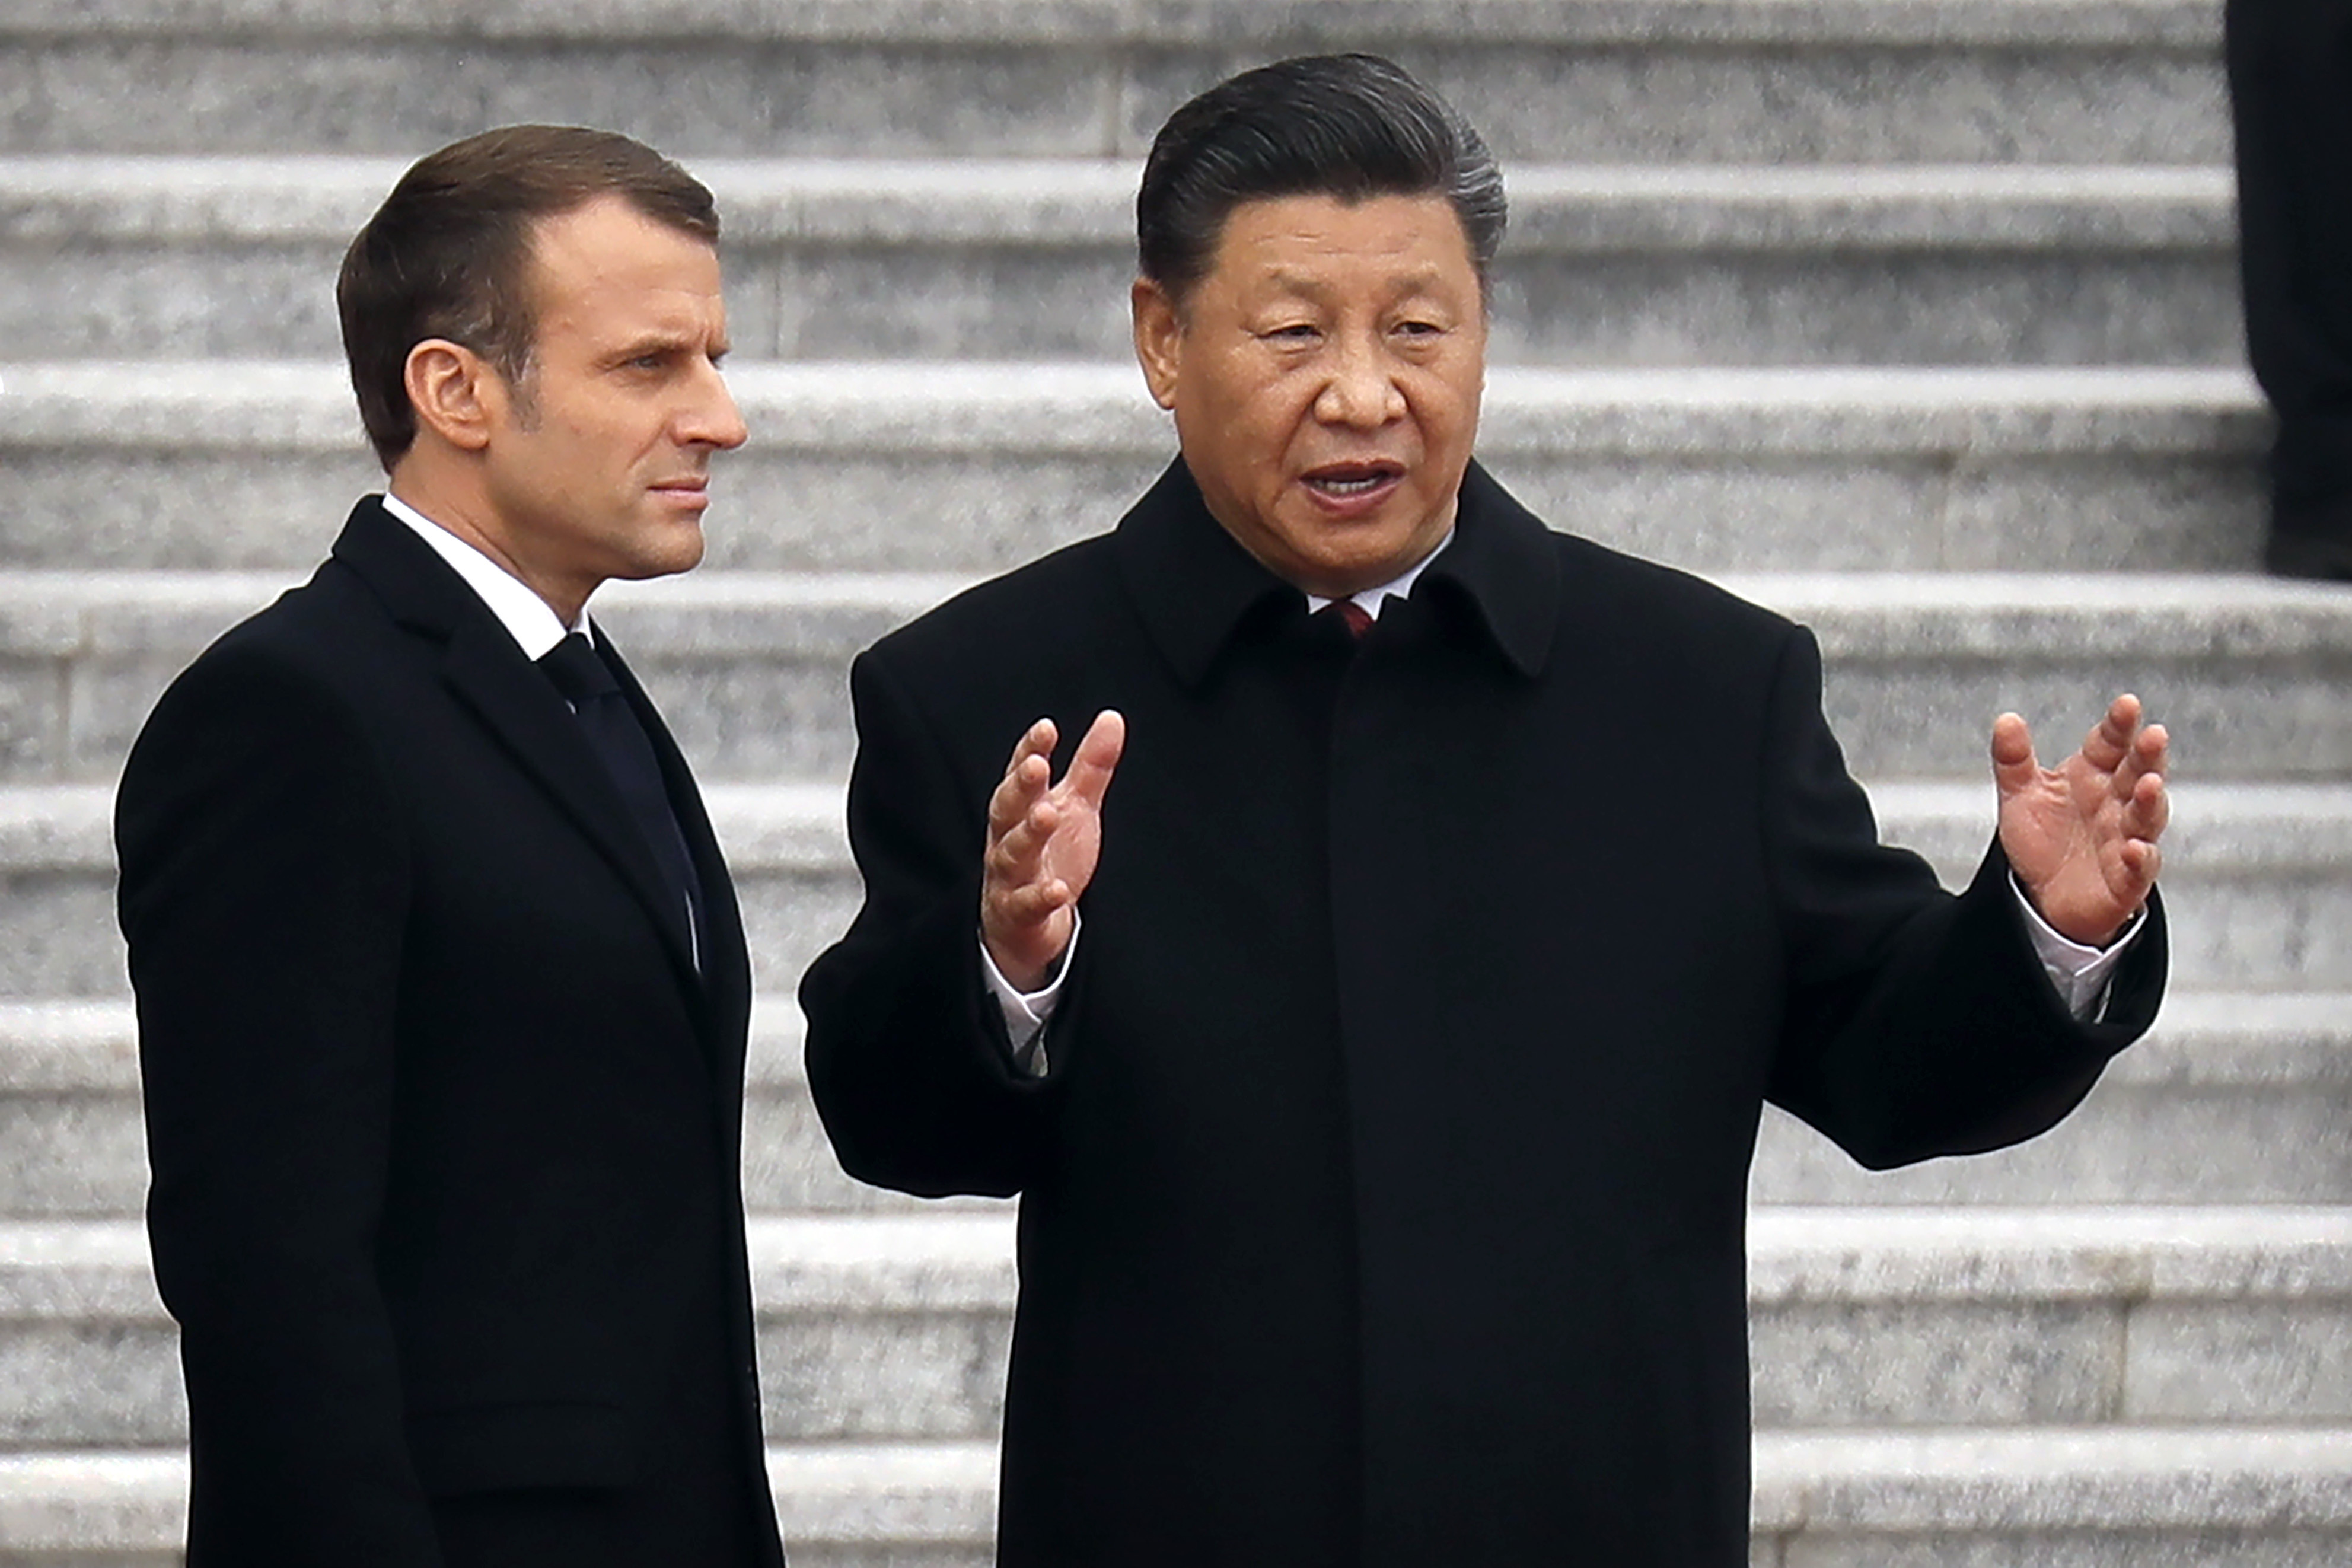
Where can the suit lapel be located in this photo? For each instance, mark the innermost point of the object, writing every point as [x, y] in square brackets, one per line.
[726, 967]
[489, 674]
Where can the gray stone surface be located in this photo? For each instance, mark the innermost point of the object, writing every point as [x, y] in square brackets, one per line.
[2061, 1549]
[2022, 24]
[1841, 82]
[894, 1329]
[687, 95]
[751, 668]
[1017, 302]
[874, 468]
[860, 1502]
[2232, 1100]
[855, 259]
[2001, 183]
[2260, 877]
[2289, 1143]
[2252, 1481]
[1641, 102]
[2267, 1362]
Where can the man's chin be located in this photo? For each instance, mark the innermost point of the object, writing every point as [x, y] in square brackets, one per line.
[682, 551]
[1347, 561]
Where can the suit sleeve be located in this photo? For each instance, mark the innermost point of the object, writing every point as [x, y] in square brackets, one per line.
[1917, 1023]
[908, 1060]
[263, 890]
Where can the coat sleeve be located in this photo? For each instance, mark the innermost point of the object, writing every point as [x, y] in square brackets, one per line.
[1918, 1023]
[263, 890]
[908, 1062]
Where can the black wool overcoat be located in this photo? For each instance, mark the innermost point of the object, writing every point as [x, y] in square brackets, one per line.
[1383, 1202]
[443, 1122]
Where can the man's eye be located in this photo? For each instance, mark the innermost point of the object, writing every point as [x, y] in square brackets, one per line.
[1419, 329]
[1296, 332]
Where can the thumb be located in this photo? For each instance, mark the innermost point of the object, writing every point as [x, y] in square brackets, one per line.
[2013, 763]
[1097, 754]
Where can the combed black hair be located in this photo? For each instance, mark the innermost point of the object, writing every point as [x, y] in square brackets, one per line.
[1350, 126]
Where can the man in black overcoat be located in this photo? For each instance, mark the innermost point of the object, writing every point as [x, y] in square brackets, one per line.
[1455, 894]
[441, 991]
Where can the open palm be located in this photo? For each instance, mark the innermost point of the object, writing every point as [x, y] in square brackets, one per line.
[2081, 836]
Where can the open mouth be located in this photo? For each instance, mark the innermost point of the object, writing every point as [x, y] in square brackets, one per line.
[1347, 481]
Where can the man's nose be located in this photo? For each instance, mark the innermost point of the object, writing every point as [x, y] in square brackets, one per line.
[1363, 391]
[711, 418]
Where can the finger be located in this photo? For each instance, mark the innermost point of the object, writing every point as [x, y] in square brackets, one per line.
[2142, 861]
[1023, 786]
[2014, 768]
[2150, 811]
[1097, 757]
[1026, 775]
[2110, 742]
[1022, 850]
[2146, 754]
[1031, 903]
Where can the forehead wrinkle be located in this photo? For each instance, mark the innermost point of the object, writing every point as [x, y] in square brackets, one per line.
[1426, 278]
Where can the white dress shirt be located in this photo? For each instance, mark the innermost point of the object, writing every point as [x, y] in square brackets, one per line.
[526, 617]
[2079, 973]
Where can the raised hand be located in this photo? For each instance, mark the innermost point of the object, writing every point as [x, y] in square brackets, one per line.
[1043, 840]
[2081, 836]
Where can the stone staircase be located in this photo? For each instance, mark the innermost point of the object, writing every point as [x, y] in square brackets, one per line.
[1913, 317]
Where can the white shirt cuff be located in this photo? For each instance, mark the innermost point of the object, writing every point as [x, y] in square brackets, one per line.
[1026, 1012]
[2079, 972]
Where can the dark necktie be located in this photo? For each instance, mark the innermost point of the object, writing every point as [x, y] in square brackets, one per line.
[618, 739]
[1350, 615]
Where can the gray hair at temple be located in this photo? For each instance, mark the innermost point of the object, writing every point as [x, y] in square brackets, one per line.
[1348, 126]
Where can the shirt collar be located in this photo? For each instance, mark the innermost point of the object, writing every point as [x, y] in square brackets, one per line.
[1370, 600]
[1193, 585]
[526, 617]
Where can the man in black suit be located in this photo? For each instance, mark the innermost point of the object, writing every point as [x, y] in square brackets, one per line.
[442, 990]
[1455, 894]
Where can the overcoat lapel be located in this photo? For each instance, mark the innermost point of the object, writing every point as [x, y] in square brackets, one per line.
[726, 971]
[490, 675]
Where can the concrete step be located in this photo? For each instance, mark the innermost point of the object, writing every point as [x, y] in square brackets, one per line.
[875, 1505]
[751, 668]
[1800, 81]
[881, 259]
[972, 467]
[896, 1329]
[2161, 1497]
[2260, 878]
[2233, 1099]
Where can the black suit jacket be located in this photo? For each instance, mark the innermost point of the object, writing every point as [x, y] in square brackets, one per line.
[443, 1123]
[1385, 1201]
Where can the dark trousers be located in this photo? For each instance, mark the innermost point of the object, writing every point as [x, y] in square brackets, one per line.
[2290, 64]
[695, 1526]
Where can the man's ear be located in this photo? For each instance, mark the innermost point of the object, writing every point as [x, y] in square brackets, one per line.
[455, 392]
[1159, 339]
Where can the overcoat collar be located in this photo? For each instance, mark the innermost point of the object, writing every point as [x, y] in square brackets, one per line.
[489, 673]
[1193, 584]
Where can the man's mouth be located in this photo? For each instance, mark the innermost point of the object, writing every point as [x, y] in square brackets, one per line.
[1346, 481]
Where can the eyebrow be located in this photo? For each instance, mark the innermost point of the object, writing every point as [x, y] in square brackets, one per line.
[665, 344]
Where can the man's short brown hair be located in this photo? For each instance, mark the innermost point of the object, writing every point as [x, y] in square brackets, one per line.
[449, 254]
